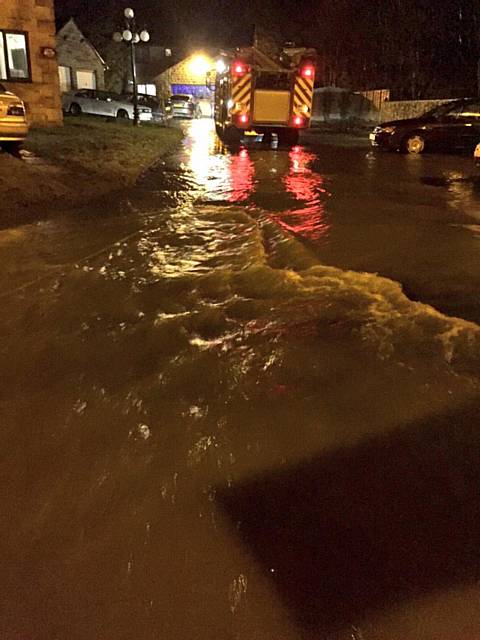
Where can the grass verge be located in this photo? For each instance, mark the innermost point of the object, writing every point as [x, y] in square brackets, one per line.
[83, 160]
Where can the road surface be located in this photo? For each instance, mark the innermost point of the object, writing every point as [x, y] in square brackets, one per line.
[241, 401]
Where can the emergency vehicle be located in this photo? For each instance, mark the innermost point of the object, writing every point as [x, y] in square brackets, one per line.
[255, 94]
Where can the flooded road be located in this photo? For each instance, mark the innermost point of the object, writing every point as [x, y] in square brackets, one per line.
[221, 416]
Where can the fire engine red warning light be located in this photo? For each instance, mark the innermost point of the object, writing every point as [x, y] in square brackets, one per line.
[243, 118]
[239, 68]
[307, 72]
[298, 121]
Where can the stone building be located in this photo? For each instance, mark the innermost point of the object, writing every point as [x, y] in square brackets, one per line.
[80, 66]
[190, 75]
[28, 64]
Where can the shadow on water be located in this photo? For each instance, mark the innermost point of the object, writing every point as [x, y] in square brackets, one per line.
[348, 534]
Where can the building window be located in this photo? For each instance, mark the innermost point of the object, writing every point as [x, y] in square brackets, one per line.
[147, 89]
[86, 79]
[14, 58]
[65, 76]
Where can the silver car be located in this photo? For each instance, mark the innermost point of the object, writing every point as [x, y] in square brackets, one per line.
[184, 105]
[102, 103]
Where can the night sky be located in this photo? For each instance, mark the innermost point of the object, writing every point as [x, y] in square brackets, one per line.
[415, 48]
[190, 23]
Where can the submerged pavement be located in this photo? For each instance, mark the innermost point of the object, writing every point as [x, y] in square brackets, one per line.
[222, 416]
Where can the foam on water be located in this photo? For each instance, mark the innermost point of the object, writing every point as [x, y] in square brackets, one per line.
[281, 275]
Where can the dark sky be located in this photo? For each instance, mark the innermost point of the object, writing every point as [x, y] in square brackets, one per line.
[185, 23]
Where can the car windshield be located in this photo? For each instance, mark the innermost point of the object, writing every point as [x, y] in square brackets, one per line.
[150, 100]
[442, 109]
[180, 98]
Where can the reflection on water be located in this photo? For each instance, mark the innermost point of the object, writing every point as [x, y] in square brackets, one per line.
[205, 158]
[307, 187]
[233, 177]
[242, 172]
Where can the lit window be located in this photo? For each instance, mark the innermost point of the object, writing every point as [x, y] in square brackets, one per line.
[3, 66]
[65, 77]
[14, 63]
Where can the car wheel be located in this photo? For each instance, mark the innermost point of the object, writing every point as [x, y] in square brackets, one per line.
[122, 114]
[75, 109]
[414, 144]
[288, 137]
[267, 137]
[232, 135]
[12, 147]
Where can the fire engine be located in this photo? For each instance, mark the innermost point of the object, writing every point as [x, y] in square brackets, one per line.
[255, 94]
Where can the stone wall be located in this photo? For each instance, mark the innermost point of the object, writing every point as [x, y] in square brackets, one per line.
[41, 93]
[181, 73]
[77, 53]
[333, 105]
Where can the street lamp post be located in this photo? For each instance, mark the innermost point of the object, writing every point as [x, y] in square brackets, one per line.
[131, 37]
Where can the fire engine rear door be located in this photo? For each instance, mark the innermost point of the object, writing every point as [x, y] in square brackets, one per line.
[271, 106]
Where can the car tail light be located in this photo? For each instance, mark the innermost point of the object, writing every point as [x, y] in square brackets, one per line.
[298, 121]
[239, 68]
[307, 71]
[15, 110]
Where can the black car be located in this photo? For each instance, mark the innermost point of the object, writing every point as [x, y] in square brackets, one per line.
[452, 126]
[157, 105]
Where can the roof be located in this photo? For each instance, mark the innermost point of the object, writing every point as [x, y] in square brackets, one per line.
[71, 26]
[175, 61]
[254, 55]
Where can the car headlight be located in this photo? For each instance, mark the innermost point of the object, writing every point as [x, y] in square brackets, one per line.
[388, 129]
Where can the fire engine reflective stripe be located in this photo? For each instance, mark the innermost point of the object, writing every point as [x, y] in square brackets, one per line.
[304, 90]
[302, 96]
[242, 89]
[300, 107]
[243, 96]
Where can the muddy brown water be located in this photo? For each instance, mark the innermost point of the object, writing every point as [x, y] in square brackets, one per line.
[222, 416]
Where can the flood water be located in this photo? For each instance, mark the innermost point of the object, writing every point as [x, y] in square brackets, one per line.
[241, 401]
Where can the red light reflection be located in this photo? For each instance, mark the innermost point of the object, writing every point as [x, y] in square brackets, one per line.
[306, 186]
[242, 173]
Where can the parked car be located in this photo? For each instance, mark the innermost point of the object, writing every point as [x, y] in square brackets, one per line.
[452, 126]
[13, 120]
[157, 105]
[102, 103]
[184, 105]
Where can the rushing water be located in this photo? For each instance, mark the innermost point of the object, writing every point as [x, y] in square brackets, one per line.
[216, 423]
